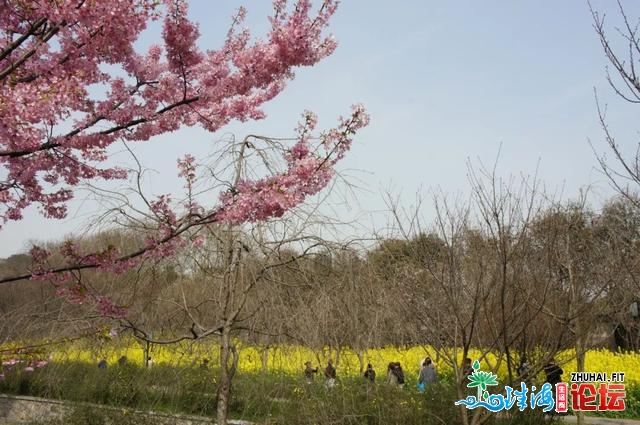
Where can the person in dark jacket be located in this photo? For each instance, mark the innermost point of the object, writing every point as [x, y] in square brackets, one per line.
[553, 372]
[330, 374]
[395, 374]
[370, 374]
[554, 376]
[399, 373]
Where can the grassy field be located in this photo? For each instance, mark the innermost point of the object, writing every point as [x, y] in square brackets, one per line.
[177, 383]
[267, 398]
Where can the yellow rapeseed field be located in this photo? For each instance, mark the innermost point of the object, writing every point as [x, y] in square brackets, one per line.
[291, 359]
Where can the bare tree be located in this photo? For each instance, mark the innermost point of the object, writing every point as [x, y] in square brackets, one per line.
[623, 55]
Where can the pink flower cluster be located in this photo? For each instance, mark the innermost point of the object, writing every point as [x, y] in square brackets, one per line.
[307, 173]
[31, 366]
[74, 290]
[309, 169]
[54, 133]
[55, 129]
[78, 293]
[107, 308]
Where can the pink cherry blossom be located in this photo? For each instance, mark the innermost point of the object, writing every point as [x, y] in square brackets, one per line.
[55, 132]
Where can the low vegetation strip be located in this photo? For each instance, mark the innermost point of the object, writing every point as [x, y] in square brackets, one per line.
[36, 410]
[270, 384]
[264, 398]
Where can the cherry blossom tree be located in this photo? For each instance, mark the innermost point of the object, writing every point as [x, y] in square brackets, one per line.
[73, 83]
[55, 131]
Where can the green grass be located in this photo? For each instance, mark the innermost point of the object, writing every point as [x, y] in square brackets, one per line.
[267, 398]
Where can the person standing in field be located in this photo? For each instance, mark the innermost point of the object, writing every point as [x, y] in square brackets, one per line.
[392, 378]
[395, 374]
[370, 374]
[524, 370]
[400, 373]
[330, 374]
[467, 371]
[553, 372]
[427, 375]
[309, 372]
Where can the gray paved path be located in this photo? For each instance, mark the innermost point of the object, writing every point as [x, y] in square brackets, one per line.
[592, 420]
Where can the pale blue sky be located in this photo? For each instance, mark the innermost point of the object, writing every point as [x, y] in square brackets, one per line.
[444, 81]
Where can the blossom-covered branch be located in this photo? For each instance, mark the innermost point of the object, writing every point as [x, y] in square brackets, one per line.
[54, 129]
[309, 168]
